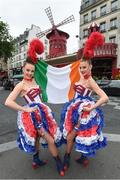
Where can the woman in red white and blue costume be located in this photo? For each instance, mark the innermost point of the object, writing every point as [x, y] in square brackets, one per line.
[82, 119]
[35, 120]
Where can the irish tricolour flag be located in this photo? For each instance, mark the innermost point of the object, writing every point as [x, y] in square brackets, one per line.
[57, 83]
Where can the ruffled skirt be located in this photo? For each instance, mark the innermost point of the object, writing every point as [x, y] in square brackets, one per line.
[28, 123]
[89, 137]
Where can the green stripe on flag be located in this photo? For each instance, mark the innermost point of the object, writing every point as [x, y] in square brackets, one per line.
[41, 77]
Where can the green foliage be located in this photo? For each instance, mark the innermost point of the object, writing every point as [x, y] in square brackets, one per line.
[117, 77]
[6, 41]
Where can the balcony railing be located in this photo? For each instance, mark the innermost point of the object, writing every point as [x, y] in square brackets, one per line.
[107, 50]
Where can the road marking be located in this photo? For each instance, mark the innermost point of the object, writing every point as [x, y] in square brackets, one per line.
[112, 137]
[8, 146]
[117, 107]
[13, 144]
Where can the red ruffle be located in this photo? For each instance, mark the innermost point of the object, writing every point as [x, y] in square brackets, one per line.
[68, 120]
[28, 125]
[37, 116]
[89, 132]
[52, 125]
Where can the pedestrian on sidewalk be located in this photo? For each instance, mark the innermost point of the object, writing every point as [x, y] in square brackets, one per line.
[35, 120]
[82, 119]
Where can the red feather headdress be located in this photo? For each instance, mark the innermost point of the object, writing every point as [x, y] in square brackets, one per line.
[35, 47]
[95, 39]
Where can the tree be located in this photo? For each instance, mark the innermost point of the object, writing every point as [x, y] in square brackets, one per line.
[6, 42]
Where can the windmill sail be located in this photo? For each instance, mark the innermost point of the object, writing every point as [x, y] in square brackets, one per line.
[66, 21]
[50, 17]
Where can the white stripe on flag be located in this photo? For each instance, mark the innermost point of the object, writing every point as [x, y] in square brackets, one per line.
[58, 84]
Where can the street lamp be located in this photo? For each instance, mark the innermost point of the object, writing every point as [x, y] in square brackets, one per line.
[77, 36]
[79, 40]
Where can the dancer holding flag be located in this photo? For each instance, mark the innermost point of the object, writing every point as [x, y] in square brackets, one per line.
[81, 118]
[35, 120]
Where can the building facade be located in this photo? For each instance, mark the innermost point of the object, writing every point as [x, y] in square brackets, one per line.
[105, 13]
[21, 44]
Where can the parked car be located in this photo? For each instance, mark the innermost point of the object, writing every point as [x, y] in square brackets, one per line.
[103, 82]
[9, 84]
[112, 88]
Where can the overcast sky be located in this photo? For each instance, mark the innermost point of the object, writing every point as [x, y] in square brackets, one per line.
[20, 14]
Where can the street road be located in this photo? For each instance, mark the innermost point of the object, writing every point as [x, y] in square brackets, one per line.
[15, 164]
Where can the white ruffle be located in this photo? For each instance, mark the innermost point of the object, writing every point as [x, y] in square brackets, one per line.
[89, 140]
[57, 135]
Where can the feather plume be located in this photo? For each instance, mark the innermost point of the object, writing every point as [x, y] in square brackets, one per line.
[96, 39]
[35, 47]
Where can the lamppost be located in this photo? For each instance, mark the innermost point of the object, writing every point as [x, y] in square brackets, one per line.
[79, 40]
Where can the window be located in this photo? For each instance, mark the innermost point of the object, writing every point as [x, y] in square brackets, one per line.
[24, 56]
[103, 10]
[113, 23]
[93, 15]
[86, 3]
[85, 33]
[46, 54]
[112, 39]
[46, 42]
[19, 50]
[114, 5]
[19, 57]
[103, 26]
[85, 18]
[25, 47]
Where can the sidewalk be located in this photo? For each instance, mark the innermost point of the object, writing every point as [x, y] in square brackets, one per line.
[15, 164]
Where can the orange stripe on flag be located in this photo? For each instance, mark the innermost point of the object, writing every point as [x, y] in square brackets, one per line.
[74, 77]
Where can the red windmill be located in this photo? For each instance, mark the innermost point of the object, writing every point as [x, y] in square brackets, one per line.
[57, 38]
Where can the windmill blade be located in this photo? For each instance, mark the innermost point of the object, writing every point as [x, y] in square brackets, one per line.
[39, 35]
[49, 15]
[66, 21]
[43, 33]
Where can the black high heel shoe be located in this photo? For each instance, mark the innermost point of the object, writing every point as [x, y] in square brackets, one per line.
[66, 162]
[37, 162]
[83, 160]
[59, 166]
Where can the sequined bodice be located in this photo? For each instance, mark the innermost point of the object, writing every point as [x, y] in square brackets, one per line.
[33, 95]
[81, 90]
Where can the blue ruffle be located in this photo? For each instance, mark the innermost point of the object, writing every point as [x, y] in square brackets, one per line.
[42, 113]
[98, 119]
[26, 147]
[90, 150]
[63, 113]
[75, 116]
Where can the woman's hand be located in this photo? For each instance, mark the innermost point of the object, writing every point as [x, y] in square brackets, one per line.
[88, 108]
[30, 109]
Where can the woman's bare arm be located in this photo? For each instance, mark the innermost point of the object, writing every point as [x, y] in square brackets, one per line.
[10, 101]
[103, 97]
